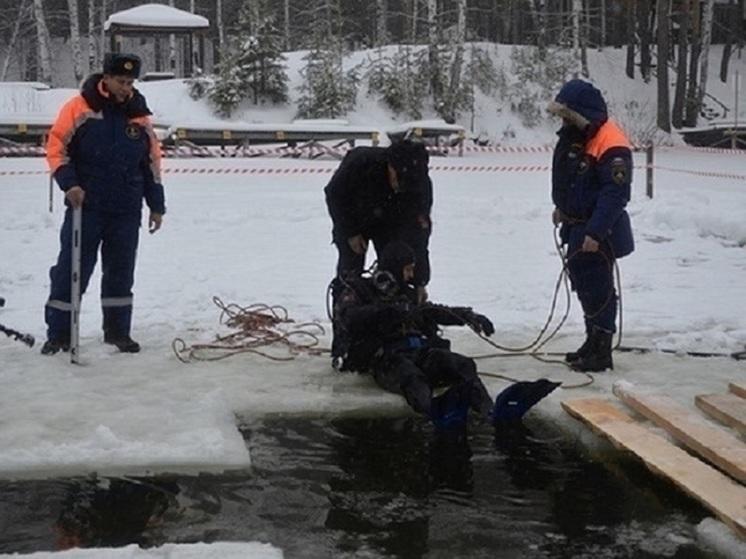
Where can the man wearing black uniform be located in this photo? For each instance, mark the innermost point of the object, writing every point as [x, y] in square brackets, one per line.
[380, 195]
[385, 331]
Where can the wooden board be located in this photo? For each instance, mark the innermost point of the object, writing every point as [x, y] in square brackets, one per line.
[738, 388]
[720, 494]
[728, 409]
[720, 447]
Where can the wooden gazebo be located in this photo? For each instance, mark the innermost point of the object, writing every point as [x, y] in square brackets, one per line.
[156, 21]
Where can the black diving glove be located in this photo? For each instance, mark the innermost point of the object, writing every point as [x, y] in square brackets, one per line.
[480, 324]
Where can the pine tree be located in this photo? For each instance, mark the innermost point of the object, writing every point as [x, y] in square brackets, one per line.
[252, 65]
[327, 90]
[400, 79]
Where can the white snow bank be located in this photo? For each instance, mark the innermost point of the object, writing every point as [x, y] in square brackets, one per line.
[223, 550]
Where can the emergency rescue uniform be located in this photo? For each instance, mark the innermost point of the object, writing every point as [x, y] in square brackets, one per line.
[591, 183]
[109, 149]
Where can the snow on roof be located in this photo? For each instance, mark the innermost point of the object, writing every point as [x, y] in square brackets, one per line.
[156, 15]
[434, 124]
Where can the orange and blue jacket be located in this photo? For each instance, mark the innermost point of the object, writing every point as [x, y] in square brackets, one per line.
[592, 172]
[109, 149]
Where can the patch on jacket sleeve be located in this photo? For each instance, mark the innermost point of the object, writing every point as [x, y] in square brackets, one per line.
[133, 131]
[619, 170]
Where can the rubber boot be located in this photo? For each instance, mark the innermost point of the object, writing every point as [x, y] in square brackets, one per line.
[125, 344]
[584, 349]
[599, 356]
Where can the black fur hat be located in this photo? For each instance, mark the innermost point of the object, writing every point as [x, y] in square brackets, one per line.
[409, 160]
[122, 64]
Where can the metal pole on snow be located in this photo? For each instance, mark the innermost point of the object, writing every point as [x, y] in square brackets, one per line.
[75, 287]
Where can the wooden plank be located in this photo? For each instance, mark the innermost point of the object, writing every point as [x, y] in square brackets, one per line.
[720, 494]
[718, 446]
[728, 409]
[738, 388]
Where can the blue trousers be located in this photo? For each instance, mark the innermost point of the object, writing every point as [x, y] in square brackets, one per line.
[592, 278]
[117, 236]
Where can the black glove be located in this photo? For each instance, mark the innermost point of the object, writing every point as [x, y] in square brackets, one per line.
[480, 324]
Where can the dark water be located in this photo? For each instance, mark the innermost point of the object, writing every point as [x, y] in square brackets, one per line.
[374, 488]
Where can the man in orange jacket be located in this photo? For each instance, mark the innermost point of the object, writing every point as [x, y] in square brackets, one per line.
[104, 155]
[591, 184]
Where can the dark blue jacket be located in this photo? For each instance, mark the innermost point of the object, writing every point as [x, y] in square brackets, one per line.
[592, 172]
[108, 149]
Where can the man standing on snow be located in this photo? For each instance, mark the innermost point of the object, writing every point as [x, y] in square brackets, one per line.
[381, 195]
[591, 183]
[104, 155]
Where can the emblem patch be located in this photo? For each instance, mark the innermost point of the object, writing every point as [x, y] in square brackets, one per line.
[133, 131]
[128, 65]
[619, 171]
[583, 166]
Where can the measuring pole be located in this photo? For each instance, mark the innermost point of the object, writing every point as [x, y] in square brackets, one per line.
[75, 287]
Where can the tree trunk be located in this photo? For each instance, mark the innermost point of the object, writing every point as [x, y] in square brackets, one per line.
[602, 40]
[664, 39]
[219, 23]
[75, 40]
[43, 41]
[705, 58]
[577, 8]
[644, 31]
[92, 49]
[433, 55]
[381, 37]
[728, 48]
[677, 116]
[286, 12]
[692, 92]
[540, 24]
[631, 40]
[458, 60]
[22, 13]
[415, 16]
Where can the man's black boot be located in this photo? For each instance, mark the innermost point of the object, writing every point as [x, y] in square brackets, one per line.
[599, 357]
[125, 344]
[582, 351]
[51, 347]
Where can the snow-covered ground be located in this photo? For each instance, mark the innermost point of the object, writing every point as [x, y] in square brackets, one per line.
[265, 238]
[223, 550]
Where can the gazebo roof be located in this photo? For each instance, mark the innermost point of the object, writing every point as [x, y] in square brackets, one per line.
[155, 17]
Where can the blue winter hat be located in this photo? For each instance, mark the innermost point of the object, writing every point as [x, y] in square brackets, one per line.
[582, 99]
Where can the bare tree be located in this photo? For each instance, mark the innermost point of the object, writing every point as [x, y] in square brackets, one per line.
[691, 105]
[631, 37]
[286, 12]
[677, 116]
[705, 55]
[436, 85]
[415, 16]
[381, 37]
[664, 39]
[22, 15]
[644, 31]
[219, 23]
[43, 41]
[577, 9]
[72, 6]
[92, 49]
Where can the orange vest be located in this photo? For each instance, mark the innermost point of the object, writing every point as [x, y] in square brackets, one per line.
[610, 135]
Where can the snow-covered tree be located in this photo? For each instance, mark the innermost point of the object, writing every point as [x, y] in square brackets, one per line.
[253, 65]
[399, 80]
[327, 90]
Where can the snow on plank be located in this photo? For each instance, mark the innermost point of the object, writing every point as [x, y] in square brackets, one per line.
[720, 494]
[718, 446]
[728, 409]
[738, 388]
